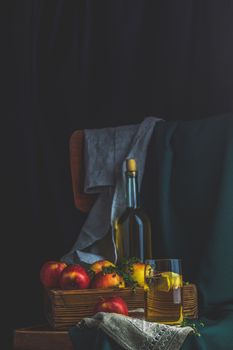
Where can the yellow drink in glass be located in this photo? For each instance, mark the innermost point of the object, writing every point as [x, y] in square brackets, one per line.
[163, 296]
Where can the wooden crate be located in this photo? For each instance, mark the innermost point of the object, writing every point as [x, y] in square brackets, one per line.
[41, 338]
[190, 301]
[64, 308]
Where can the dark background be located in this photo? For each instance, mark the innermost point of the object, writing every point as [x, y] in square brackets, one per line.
[70, 65]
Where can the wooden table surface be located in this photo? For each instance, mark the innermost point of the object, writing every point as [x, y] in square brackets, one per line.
[41, 338]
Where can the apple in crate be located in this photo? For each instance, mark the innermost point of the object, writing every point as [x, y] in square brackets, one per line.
[50, 273]
[137, 272]
[74, 277]
[107, 280]
[100, 264]
[112, 304]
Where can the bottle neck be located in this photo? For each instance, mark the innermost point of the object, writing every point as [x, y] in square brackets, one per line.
[132, 189]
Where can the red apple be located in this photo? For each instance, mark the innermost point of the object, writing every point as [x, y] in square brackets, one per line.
[50, 273]
[112, 304]
[107, 280]
[74, 277]
[100, 264]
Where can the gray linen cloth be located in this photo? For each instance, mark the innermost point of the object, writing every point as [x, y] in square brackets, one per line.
[135, 334]
[105, 152]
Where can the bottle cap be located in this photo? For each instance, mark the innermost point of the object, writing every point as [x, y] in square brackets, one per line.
[131, 164]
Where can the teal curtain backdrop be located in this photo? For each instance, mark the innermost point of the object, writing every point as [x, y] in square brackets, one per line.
[70, 65]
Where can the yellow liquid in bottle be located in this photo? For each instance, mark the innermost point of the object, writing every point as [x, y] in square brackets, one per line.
[133, 235]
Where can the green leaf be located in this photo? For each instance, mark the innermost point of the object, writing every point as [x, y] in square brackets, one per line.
[195, 326]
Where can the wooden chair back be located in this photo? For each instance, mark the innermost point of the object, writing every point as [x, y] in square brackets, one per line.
[82, 200]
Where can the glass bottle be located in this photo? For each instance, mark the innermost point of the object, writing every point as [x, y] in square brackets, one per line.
[133, 227]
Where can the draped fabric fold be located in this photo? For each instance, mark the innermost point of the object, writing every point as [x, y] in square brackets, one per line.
[105, 153]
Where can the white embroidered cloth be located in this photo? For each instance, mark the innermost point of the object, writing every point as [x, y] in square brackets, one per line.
[136, 334]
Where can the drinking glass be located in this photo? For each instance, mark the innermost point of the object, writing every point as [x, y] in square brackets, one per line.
[163, 291]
